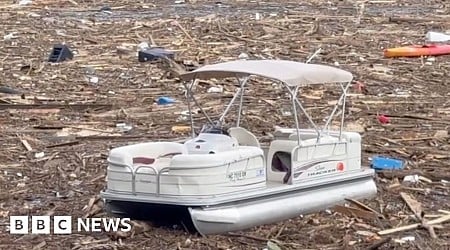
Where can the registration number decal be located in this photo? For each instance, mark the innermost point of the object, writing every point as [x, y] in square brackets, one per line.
[237, 175]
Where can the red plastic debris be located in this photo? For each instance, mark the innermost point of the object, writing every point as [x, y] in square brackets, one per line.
[383, 119]
[359, 86]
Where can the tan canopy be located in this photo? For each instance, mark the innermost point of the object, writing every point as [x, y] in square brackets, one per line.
[290, 72]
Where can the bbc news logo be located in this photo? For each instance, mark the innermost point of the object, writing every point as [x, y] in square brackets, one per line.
[63, 224]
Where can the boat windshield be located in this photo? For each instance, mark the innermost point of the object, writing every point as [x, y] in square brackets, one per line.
[216, 128]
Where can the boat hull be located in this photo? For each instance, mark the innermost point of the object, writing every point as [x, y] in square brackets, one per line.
[239, 211]
[239, 216]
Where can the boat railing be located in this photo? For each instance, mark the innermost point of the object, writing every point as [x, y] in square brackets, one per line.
[160, 172]
[135, 172]
[321, 144]
[132, 171]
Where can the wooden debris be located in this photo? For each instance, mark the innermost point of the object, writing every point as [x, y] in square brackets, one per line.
[414, 226]
[71, 143]
[92, 208]
[441, 134]
[363, 206]
[435, 175]
[443, 211]
[140, 227]
[137, 227]
[69, 110]
[54, 106]
[247, 236]
[379, 243]
[414, 19]
[40, 245]
[351, 211]
[26, 145]
[416, 207]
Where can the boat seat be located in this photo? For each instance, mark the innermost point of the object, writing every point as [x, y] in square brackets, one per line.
[244, 137]
[152, 168]
[282, 133]
[155, 154]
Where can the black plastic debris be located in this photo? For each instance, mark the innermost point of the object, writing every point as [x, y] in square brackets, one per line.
[8, 90]
[60, 53]
[106, 8]
[190, 65]
[152, 54]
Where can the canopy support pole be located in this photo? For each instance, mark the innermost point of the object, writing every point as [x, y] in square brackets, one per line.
[344, 89]
[295, 100]
[242, 84]
[307, 115]
[188, 96]
[189, 110]
[229, 105]
[196, 103]
[294, 108]
[239, 92]
[314, 55]
[343, 96]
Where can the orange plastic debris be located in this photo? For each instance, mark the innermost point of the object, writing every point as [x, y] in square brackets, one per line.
[418, 50]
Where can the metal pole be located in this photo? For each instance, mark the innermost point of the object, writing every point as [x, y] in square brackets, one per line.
[336, 107]
[293, 94]
[343, 108]
[314, 55]
[189, 109]
[200, 107]
[304, 111]
[242, 84]
[307, 115]
[229, 105]
[296, 101]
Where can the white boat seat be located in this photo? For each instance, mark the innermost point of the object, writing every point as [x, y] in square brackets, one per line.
[244, 137]
[150, 154]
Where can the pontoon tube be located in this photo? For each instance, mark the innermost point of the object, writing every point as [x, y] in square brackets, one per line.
[240, 216]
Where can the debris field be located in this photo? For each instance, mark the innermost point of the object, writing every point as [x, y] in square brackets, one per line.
[58, 120]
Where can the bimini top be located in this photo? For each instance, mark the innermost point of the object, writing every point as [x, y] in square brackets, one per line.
[290, 72]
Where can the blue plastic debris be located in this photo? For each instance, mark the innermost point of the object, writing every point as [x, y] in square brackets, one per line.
[164, 100]
[386, 163]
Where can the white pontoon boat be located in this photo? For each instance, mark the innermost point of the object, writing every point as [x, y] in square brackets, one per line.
[227, 180]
